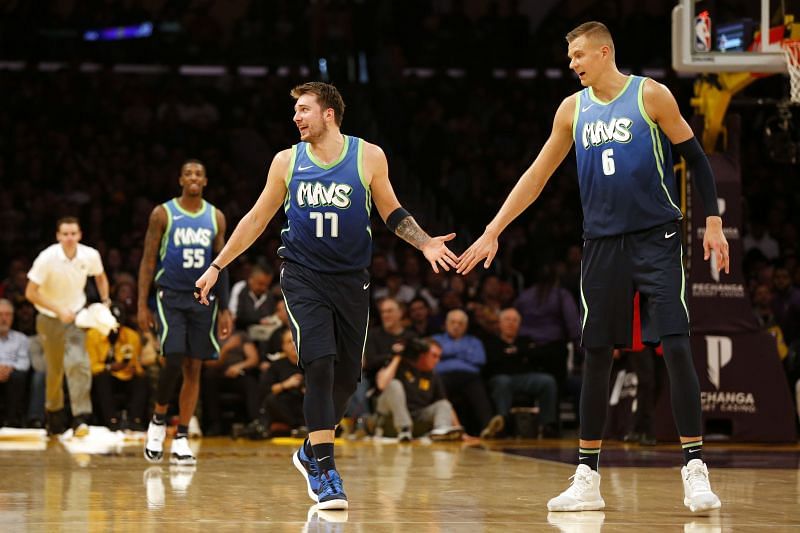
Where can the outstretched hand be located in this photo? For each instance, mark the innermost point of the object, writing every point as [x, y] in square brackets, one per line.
[484, 247]
[436, 251]
[204, 284]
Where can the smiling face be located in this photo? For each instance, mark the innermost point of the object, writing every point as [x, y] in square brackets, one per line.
[311, 120]
[193, 179]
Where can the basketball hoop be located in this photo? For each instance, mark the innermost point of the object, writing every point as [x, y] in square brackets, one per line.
[792, 50]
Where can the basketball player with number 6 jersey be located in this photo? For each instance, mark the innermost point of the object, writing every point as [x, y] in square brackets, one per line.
[182, 236]
[326, 184]
[622, 127]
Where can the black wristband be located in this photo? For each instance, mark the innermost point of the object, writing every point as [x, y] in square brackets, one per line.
[219, 269]
[395, 217]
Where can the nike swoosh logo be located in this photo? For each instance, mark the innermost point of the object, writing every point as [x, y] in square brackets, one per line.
[366, 285]
[323, 458]
[582, 458]
[177, 217]
[668, 235]
[694, 451]
[300, 169]
[584, 109]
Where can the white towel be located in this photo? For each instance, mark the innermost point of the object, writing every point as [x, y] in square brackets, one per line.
[97, 316]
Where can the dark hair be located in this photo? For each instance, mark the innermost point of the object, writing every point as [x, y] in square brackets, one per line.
[67, 220]
[327, 95]
[192, 161]
[416, 299]
[416, 346]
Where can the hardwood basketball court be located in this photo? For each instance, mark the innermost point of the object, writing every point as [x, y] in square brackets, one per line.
[421, 487]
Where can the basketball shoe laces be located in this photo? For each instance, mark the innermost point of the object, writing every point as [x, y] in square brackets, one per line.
[330, 483]
[313, 469]
[697, 477]
[581, 484]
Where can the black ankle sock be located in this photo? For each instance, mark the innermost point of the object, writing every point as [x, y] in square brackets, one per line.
[160, 419]
[589, 457]
[308, 449]
[324, 455]
[692, 450]
[183, 431]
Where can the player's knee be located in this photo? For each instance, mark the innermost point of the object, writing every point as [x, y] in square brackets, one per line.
[319, 371]
[192, 368]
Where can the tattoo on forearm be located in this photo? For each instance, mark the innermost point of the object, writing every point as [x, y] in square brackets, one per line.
[409, 231]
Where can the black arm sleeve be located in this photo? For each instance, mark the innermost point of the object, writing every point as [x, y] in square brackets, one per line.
[702, 176]
[223, 289]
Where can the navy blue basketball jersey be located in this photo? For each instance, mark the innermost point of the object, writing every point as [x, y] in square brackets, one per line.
[327, 210]
[187, 245]
[624, 164]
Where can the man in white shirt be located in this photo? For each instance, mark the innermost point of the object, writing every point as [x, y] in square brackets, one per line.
[14, 364]
[56, 284]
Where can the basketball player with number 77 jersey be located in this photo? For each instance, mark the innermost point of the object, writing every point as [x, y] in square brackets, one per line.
[181, 237]
[326, 184]
[622, 127]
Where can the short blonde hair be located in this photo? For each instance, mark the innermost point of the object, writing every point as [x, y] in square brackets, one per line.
[593, 30]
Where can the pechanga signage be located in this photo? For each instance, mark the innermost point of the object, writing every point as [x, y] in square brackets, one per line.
[741, 378]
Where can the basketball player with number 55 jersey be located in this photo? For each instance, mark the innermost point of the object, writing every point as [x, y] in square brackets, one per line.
[182, 236]
[326, 184]
[622, 127]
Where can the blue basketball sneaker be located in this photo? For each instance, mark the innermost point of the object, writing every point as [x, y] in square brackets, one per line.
[308, 467]
[331, 493]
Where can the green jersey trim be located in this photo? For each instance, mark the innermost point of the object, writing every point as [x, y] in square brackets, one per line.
[322, 165]
[291, 165]
[598, 101]
[189, 213]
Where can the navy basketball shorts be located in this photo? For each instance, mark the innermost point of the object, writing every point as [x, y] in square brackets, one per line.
[613, 268]
[186, 327]
[328, 315]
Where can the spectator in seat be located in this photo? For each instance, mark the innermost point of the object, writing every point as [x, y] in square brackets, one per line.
[786, 304]
[463, 357]
[413, 398]
[419, 314]
[251, 302]
[511, 371]
[549, 318]
[116, 368]
[387, 340]
[14, 364]
[283, 403]
[230, 373]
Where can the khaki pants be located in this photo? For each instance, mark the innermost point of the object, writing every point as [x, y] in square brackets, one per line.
[65, 353]
[392, 402]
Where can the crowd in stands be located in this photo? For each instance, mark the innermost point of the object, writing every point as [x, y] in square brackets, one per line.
[107, 147]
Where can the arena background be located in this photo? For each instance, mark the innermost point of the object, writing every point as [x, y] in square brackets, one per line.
[104, 100]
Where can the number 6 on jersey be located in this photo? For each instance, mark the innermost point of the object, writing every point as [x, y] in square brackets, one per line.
[317, 217]
[608, 162]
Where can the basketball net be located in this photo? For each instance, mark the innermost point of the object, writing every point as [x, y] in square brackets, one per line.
[792, 50]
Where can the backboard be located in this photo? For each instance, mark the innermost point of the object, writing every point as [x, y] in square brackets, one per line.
[722, 36]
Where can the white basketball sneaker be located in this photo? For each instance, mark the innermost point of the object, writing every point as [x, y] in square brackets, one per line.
[582, 495]
[180, 453]
[697, 495]
[154, 446]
